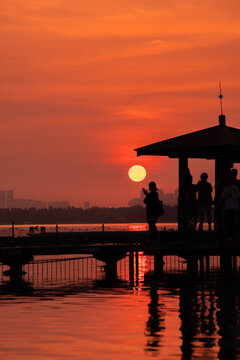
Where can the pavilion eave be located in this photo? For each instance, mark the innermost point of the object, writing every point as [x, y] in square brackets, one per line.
[209, 153]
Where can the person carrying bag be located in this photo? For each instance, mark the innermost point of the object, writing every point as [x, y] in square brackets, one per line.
[154, 208]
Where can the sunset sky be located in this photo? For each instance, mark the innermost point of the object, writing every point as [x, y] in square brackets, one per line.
[84, 83]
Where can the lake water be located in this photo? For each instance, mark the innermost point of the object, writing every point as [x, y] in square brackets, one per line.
[68, 307]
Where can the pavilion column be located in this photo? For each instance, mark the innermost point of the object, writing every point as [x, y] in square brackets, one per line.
[222, 168]
[183, 168]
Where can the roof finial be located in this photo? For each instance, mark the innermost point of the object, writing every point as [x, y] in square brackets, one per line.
[222, 121]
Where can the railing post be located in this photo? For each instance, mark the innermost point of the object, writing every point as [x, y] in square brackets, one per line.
[13, 234]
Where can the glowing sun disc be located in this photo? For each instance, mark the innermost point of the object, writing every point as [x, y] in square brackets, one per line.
[137, 173]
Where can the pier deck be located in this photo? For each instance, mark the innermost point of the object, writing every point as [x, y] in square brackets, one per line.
[167, 243]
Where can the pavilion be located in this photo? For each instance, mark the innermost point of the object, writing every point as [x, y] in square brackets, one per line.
[220, 143]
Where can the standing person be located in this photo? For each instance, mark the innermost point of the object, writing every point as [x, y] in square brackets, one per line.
[233, 174]
[152, 201]
[190, 206]
[231, 199]
[205, 201]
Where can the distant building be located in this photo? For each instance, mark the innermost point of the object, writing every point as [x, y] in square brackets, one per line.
[176, 192]
[139, 201]
[29, 203]
[58, 204]
[142, 195]
[161, 194]
[86, 205]
[2, 199]
[9, 198]
[135, 202]
[169, 199]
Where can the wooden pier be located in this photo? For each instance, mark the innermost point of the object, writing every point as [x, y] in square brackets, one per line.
[109, 244]
[110, 247]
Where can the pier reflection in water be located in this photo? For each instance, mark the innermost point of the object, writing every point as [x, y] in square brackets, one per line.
[171, 309]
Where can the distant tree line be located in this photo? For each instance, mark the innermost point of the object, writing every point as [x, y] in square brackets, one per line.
[72, 215]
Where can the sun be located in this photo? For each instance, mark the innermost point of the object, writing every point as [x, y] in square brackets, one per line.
[137, 173]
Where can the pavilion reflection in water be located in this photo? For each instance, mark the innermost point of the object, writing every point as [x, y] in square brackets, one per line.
[208, 299]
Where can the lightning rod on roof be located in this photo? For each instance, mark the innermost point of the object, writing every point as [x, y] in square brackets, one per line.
[222, 119]
[221, 97]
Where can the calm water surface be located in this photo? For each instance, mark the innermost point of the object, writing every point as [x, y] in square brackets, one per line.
[68, 307]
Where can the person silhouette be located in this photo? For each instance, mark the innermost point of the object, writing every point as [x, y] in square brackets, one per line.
[190, 213]
[152, 201]
[205, 201]
[230, 198]
[233, 174]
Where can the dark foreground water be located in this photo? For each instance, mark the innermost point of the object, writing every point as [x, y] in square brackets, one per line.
[70, 308]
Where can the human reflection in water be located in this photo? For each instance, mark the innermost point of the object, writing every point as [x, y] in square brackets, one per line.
[155, 324]
[188, 316]
[197, 314]
[228, 315]
[207, 317]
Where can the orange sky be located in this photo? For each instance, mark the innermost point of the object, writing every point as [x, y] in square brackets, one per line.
[83, 83]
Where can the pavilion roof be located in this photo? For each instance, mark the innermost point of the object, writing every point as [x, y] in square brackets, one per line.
[209, 143]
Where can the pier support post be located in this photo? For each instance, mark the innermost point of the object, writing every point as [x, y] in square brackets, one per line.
[207, 264]
[192, 265]
[131, 268]
[110, 257]
[158, 263]
[226, 265]
[15, 262]
[202, 266]
[111, 268]
[13, 232]
[234, 263]
[137, 268]
[15, 273]
[183, 168]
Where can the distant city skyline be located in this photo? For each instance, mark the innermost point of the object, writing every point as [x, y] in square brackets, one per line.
[170, 199]
[7, 200]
